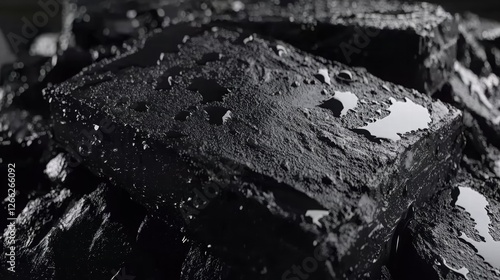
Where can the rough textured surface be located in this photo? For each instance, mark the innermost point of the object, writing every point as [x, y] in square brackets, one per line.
[412, 44]
[250, 122]
[200, 264]
[64, 235]
[431, 243]
[487, 33]
[479, 98]
[24, 141]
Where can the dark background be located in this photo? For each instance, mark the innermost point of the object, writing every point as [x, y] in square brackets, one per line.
[12, 11]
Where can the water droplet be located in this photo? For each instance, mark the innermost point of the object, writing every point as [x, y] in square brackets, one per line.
[183, 116]
[218, 115]
[245, 38]
[345, 75]
[476, 205]
[209, 89]
[280, 50]
[404, 117]
[317, 215]
[341, 103]
[323, 76]
[141, 106]
[166, 82]
[209, 57]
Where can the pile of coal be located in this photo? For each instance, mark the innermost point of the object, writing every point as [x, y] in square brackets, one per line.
[243, 140]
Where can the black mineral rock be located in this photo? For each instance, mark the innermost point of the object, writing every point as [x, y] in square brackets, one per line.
[314, 187]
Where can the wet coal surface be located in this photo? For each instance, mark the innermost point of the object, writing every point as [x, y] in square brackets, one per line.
[277, 161]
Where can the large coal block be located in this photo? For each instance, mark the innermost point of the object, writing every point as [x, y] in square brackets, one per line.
[275, 139]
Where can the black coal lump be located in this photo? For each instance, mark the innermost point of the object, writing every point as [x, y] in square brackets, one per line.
[448, 240]
[412, 44]
[261, 169]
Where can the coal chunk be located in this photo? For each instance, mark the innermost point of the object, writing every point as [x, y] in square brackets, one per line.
[487, 33]
[455, 237]
[412, 44]
[26, 146]
[479, 97]
[307, 183]
[200, 264]
[64, 235]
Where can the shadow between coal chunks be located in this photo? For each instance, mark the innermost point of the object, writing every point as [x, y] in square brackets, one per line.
[92, 23]
[275, 155]
[412, 44]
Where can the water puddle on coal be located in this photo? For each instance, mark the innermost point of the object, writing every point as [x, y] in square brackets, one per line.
[404, 117]
[462, 271]
[341, 103]
[141, 106]
[183, 116]
[209, 57]
[323, 76]
[476, 205]
[209, 89]
[316, 215]
[218, 115]
[166, 81]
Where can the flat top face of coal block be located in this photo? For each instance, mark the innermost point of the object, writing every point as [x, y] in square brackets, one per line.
[298, 119]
